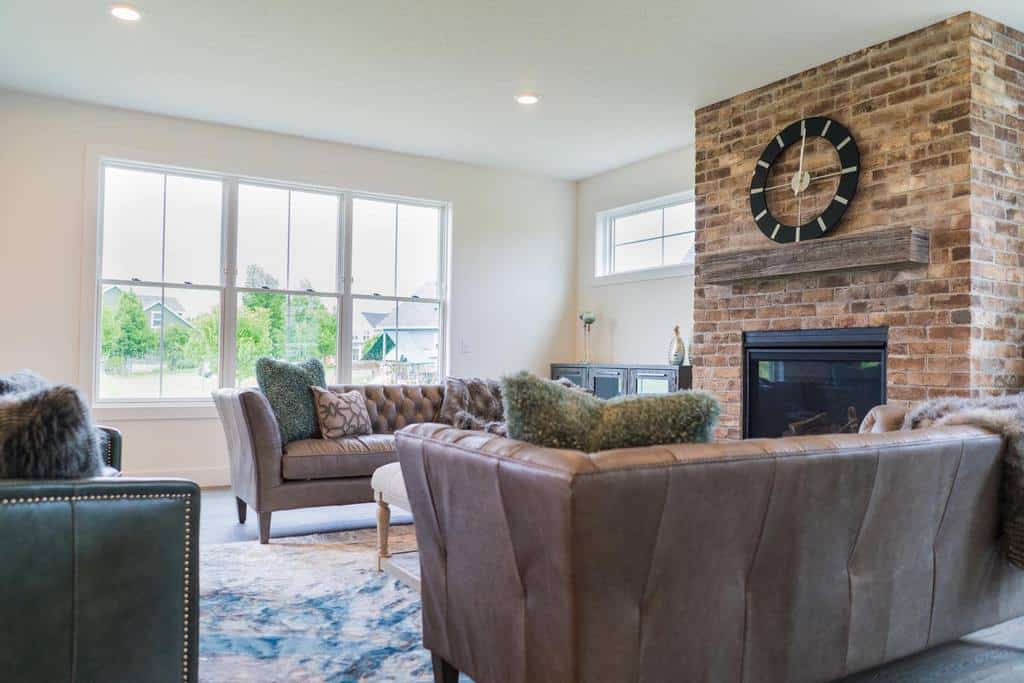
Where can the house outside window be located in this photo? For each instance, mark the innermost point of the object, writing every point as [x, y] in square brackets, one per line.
[200, 274]
[646, 240]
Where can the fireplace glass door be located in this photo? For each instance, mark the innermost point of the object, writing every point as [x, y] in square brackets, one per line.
[796, 392]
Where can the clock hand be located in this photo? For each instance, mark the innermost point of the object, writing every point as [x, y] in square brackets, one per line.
[799, 179]
[813, 179]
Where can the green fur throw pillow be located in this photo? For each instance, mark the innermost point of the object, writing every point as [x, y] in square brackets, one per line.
[548, 414]
[286, 386]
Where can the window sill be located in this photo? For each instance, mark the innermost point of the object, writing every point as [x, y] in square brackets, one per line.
[684, 270]
[144, 412]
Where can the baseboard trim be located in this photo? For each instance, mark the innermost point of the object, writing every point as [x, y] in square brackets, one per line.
[204, 476]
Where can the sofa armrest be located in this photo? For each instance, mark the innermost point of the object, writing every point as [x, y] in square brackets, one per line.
[887, 417]
[105, 572]
[254, 442]
[493, 527]
[111, 446]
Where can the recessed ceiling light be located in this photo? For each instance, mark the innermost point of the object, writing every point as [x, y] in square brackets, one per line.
[125, 13]
[527, 98]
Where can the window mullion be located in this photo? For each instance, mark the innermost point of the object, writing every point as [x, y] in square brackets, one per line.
[394, 293]
[346, 315]
[663, 237]
[288, 247]
[163, 278]
[229, 295]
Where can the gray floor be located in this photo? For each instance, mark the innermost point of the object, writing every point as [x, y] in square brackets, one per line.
[218, 519]
[995, 655]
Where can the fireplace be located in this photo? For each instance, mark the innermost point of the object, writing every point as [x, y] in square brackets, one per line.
[811, 381]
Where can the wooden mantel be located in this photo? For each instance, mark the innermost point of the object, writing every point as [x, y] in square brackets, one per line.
[903, 246]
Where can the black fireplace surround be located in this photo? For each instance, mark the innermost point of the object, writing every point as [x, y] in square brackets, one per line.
[811, 381]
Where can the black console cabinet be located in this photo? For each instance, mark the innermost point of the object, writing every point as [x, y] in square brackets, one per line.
[610, 380]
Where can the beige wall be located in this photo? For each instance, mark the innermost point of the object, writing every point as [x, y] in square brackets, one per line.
[634, 320]
[512, 281]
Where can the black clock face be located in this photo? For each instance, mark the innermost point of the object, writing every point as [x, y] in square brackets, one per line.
[804, 180]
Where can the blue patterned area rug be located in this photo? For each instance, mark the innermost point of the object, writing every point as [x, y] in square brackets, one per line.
[310, 608]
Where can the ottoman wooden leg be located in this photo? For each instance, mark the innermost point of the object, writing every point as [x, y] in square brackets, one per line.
[383, 526]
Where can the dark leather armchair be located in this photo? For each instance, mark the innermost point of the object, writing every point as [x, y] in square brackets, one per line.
[99, 578]
[111, 442]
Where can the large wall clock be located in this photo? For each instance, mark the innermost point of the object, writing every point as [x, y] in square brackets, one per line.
[798, 193]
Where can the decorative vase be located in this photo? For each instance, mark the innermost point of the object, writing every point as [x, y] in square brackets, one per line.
[588, 319]
[676, 348]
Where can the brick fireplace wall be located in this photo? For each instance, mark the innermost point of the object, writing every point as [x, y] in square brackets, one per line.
[937, 117]
[997, 207]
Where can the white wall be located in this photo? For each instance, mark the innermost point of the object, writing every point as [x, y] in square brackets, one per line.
[512, 281]
[635, 319]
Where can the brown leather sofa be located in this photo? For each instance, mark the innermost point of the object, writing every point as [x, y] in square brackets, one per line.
[267, 476]
[767, 560]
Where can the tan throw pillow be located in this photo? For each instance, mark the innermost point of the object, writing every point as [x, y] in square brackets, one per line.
[341, 415]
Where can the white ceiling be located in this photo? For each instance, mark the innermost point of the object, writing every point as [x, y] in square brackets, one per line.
[620, 79]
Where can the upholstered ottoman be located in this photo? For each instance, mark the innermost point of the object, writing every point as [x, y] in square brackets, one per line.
[388, 489]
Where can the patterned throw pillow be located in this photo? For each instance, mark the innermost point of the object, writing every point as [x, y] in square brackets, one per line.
[341, 415]
[473, 403]
[545, 413]
[286, 386]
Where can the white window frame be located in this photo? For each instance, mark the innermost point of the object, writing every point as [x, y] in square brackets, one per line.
[604, 243]
[201, 407]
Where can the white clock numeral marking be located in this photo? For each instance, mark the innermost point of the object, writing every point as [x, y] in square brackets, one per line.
[850, 169]
[821, 222]
[762, 163]
[778, 139]
[824, 130]
[757, 190]
[798, 234]
[776, 230]
[842, 144]
[760, 215]
[842, 200]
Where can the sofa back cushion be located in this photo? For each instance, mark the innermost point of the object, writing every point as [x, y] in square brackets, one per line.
[393, 406]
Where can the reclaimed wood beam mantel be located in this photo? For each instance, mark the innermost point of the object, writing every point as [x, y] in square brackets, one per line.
[903, 246]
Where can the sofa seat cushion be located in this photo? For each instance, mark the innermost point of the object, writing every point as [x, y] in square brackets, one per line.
[353, 456]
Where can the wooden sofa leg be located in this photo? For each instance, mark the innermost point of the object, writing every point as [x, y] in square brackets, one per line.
[383, 527]
[264, 527]
[443, 671]
[241, 509]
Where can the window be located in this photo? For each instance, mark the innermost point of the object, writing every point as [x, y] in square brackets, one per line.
[650, 239]
[201, 274]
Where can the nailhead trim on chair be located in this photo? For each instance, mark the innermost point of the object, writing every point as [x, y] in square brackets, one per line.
[187, 497]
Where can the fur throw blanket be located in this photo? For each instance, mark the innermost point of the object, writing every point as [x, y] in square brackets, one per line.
[1002, 415]
[46, 431]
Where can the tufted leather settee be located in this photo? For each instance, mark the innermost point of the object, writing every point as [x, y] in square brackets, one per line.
[267, 476]
[790, 560]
